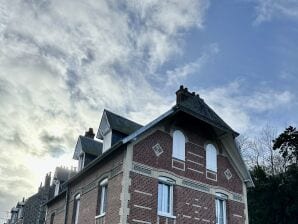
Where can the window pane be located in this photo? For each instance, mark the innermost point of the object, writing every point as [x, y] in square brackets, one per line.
[77, 210]
[211, 158]
[220, 211]
[178, 145]
[160, 190]
[105, 198]
[164, 198]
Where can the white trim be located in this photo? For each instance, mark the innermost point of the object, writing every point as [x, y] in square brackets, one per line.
[142, 207]
[194, 154]
[142, 192]
[141, 221]
[166, 215]
[99, 216]
[200, 172]
[191, 161]
[178, 161]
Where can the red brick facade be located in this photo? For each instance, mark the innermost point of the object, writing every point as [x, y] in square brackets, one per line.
[189, 205]
[87, 186]
[138, 167]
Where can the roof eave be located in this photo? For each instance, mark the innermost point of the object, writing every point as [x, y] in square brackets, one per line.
[202, 118]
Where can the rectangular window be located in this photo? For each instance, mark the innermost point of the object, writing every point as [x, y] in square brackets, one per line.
[165, 199]
[103, 197]
[76, 209]
[221, 217]
[52, 218]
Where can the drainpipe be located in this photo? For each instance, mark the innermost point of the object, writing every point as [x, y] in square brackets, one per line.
[66, 205]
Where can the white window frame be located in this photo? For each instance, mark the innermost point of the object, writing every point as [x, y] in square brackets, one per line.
[211, 157]
[57, 187]
[77, 208]
[107, 141]
[179, 145]
[163, 184]
[221, 199]
[81, 161]
[103, 198]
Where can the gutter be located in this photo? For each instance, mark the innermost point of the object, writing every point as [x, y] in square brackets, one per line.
[135, 134]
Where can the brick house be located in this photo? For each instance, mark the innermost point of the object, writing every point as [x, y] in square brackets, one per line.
[183, 167]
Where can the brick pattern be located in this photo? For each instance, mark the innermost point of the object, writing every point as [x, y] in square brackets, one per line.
[87, 186]
[143, 198]
[59, 210]
[190, 206]
[195, 164]
[235, 212]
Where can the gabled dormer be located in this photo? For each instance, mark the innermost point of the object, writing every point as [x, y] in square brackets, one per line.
[87, 149]
[113, 128]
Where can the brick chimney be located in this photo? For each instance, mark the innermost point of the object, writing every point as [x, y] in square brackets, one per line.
[182, 94]
[90, 133]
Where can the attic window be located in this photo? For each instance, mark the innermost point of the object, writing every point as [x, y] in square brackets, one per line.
[178, 145]
[81, 161]
[211, 158]
[107, 141]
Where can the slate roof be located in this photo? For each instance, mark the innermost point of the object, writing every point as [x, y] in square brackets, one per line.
[196, 106]
[91, 146]
[121, 124]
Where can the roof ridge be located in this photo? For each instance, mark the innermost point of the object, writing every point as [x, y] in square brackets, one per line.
[120, 116]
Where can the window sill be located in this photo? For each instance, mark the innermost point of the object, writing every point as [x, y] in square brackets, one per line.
[166, 215]
[99, 216]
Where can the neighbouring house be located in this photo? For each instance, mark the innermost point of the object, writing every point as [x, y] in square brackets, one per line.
[17, 213]
[33, 209]
[182, 167]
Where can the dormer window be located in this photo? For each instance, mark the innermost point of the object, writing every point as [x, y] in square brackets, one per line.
[178, 145]
[107, 141]
[81, 161]
[57, 187]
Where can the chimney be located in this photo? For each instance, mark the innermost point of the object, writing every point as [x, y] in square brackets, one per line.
[47, 180]
[182, 94]
[90, 133]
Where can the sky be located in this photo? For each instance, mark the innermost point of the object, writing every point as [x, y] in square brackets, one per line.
[63, 61]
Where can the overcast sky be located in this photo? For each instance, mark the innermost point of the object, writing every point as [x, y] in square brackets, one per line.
[63, 61]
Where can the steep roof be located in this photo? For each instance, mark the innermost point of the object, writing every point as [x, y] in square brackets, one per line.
[189, 103]
[87, 145]
[194, 105]
[91, 146]
[118, 123]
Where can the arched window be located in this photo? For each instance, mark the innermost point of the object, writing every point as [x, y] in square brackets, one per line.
[211, 158]
[178, 145]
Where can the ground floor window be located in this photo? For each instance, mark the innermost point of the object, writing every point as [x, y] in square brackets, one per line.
[165, 196]
[221, 208]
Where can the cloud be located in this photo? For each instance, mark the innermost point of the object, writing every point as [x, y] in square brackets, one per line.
[269, 9]
[60, 69]
[176, 76]
[239, 108]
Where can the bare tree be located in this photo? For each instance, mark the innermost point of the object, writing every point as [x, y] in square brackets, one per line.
[258, 151]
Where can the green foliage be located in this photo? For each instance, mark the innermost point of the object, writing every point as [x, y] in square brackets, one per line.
[287, 143]
[274, 200]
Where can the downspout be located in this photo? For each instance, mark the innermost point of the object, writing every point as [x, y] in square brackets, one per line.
[66, 206]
